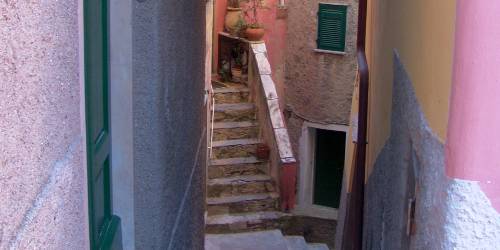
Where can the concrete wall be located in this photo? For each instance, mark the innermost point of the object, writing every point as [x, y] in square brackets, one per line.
[450, 213]
[423, 33]
[42, 180]
[168, 84]
[318, 86]
[121, 103]
[471, 152]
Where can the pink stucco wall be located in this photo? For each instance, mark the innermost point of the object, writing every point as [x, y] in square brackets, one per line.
[473, 146]
[274, 38]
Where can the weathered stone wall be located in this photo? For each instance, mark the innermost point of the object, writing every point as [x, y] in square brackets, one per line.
[42, 172]
[450, 213]
[169, 157]
[318, 86]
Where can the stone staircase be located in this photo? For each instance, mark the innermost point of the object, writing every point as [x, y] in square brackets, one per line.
[242, 196]
[263, 240]
[242, 199]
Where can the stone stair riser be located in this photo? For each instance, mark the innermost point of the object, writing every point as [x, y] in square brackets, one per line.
[253, 187]
[233, 97]
[236, 170]
[248, 226]
[235, 133]
[234, 115]
[235, 151]
[270, 204]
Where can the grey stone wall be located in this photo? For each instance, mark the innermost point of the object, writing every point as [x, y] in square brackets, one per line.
[41, 148]
[318, 86]
[450, 214]
[168, 84]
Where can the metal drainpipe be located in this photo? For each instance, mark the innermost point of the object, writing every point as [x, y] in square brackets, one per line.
[353, 229]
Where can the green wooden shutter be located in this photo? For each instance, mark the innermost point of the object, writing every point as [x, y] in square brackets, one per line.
[104, 226]
[332, 20]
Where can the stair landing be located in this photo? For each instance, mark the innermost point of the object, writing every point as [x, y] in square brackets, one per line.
[263, 240]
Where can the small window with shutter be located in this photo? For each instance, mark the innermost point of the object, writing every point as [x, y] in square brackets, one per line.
[332, 20]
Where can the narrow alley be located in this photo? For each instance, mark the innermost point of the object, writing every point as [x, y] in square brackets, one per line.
[249, 124]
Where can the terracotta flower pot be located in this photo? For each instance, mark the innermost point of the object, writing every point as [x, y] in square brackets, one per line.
[233, 17]
[254, 34]
[263, 151]
[236, 73]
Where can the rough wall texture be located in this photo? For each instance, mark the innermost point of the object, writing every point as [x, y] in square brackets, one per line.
[41, 164]
[318, 86]
[168, 75]
[450, 214]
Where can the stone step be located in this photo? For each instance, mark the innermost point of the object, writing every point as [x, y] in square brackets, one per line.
[317, 246]
[230, 167]
[245, 222]
[238, 112]
[296, 243]
[235, 148]
[243, 203]
[235, 130]
[247, 184]
[234, 161]
[263, 240]
[231, 95]
[217, 84]
[221, 171]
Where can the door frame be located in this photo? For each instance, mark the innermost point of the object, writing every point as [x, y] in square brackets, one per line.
[307, 148]
[110, 238]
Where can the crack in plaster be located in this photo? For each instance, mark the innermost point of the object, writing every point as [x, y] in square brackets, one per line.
[59, 168]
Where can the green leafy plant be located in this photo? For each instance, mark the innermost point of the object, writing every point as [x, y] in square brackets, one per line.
[225, 71]
[240, 26]
[237, 55]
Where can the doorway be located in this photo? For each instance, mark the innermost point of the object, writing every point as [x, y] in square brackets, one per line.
[329, 160]
[323, 152]
[104, 226]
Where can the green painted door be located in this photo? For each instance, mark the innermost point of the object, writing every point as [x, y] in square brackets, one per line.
[329, 167]
[104, 226]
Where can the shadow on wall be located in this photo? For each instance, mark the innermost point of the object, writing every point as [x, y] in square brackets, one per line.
[168, 89]
[413, 156]
[445, 209]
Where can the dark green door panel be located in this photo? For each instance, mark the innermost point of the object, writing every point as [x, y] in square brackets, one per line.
[329, 167]
[103, 225]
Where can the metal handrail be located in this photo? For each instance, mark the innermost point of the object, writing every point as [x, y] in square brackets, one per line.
[212, 119]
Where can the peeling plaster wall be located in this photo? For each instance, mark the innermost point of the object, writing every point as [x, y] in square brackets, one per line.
[169, 140]
[42, 171]
[450, 213]
[318, 86]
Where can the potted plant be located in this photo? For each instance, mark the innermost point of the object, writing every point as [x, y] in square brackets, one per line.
[237, 64]
[254, 29]
[233, 18]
